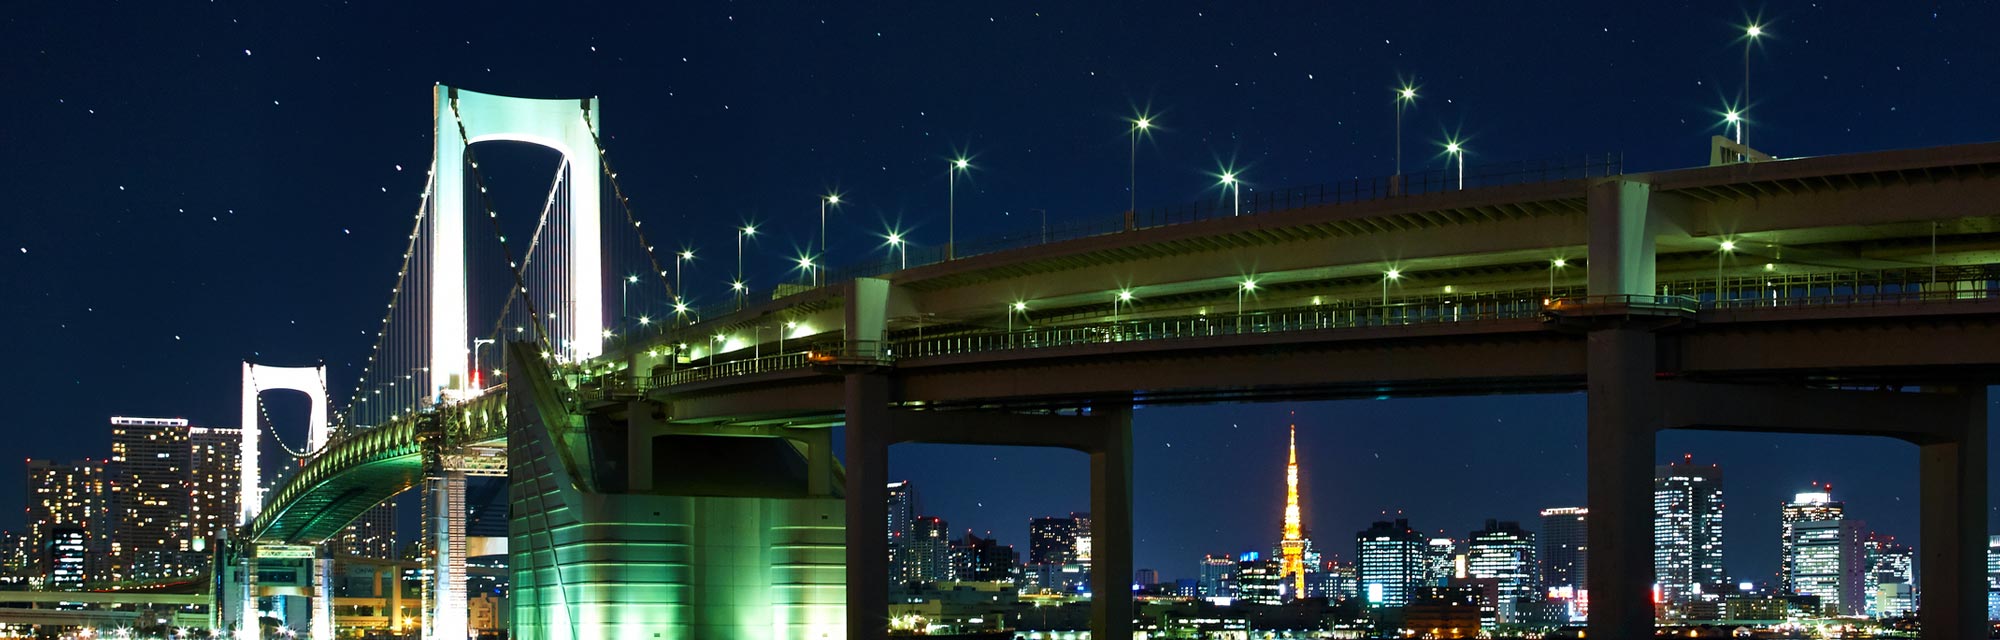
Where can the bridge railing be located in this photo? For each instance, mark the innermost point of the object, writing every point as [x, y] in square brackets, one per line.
[754, 365]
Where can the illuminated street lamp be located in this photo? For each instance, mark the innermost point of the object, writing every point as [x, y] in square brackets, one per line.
[476, 344]
[685, 256]
[1392, 274]
[897, 244]
[1230, 182]
[1124, 298]
[1734, 117]
[1020, 308]
[957, 166]
[625, 294]
[1555, 264]
[828, 199]
[1723, 250]
[1750, 36]
[1140, 126]
[1248, 285]
[745, 231]
[1457, 151]
[1405, 96]
[812, 273]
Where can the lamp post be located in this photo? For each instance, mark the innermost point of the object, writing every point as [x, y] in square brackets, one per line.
[1139, 126]
[896, 244]
[1735, 118]
[1235, 187]
[828, 199]
[1750, 35]
[1404, 96]
[1457, 151]
[1020, 308]
[1124, 298]
[951, 208]
[1555, 264]
[789, 326]
[685, 256]
[1247, 286]
[1392, 274]
[812, 273]
[625, 295]
[1727, 247]
[741, 233]
[476, 344]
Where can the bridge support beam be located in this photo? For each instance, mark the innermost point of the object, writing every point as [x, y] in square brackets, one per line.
[1111, 525]
[867, 433]
[444, 534]
[1623, 419]
[322, 594]
[1952, 471]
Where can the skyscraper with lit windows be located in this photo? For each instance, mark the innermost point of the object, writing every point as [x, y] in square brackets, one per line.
[1810, 506]
[149, 497]
[1565, 548]
[214, 480]
[1392, 561]
[71, 497]
[1506, 554]
[1687, 530]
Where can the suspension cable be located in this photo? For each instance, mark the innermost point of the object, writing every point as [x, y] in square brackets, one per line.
[402, 275]
[625, 203]
[534, 241]
[271, 426]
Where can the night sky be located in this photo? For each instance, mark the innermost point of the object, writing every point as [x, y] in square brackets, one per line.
[192, 184]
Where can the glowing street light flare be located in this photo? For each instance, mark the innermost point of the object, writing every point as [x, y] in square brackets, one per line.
[897, 244]
[1725, 248]
[1235, 186]
[1457, 151]
[745, 231]
[1405, 96]
[828, 199]
[1555, 264]
[957, 166]
[1140, 126]
[1392, 274]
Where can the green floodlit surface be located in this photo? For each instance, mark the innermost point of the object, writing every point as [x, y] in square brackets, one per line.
[592, 565]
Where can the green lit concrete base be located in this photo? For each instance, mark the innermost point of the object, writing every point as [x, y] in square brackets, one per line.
[591, 565]
[680, 567]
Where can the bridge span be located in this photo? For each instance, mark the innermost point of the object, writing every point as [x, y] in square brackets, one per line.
[684, 481]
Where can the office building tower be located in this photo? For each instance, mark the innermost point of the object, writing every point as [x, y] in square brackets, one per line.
[1506, 553]
[1053, 540]
[149, 496]
[1440, 557]
[1260, 580]
[1565, 548]
[928, 559]
[1217, 577]
[1826, 561]
[1145, 577]
[15, 563]
[1993, 577]
[1687, 531]
[1293, 544]
[983, 560]
[1816, 505]
[1336, 581]
[71, 496]
[1890, 568]
[67, 558]
[1392, 561]
[902, 520]
[373, 535]
[214, 482]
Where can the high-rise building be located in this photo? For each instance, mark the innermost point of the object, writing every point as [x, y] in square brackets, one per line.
[1565, 548]
[1217, 578]
[1054, 540]
[902, 518]
[1337, 582]
[1993, 577]
[1392, 562]
[149, 496]
[1505, 553]
[983, 560]
[1145, 577]
[214, 481]
[1886, 563]
[1260, 580]
[1440, 560]
[71, 496]
[15, 559]
[1292, 543]
[928, 559]
[373, 535]
[67, 557]
[1826, 562]
[1811, 506]
[1687, 531]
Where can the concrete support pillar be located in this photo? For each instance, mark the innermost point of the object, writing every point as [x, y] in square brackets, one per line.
[819, 460]
[1952, 471]
[322, 594]
[1111, 525]
[1623, 420]
[444, 531]
[1621, 239]
[868, 431]
[247, 625]
[395, 595]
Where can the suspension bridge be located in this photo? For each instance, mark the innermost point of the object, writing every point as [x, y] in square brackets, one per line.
[676, 476]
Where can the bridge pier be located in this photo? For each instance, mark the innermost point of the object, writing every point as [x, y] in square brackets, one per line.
[322, 594]
[1623, 420]
[444, 534]
[1104, 433]
[1952, 516]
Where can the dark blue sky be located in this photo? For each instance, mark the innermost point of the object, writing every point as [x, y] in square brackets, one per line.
[191, 184]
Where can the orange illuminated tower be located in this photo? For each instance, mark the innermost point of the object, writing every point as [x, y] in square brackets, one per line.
[1293, 544]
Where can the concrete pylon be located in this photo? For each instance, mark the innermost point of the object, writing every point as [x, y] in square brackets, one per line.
[444, 535]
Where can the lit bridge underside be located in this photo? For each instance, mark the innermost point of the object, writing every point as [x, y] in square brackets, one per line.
[1876, 270]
